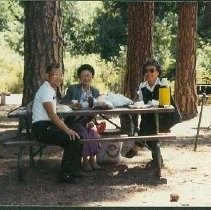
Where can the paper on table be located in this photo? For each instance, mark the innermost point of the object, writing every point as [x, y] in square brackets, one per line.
[139, 105]
[62, 108]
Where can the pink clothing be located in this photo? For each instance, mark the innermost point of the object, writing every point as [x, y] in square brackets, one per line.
[89, 148]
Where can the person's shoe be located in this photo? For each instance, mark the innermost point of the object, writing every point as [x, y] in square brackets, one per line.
[153, 163]
[131, 153]
[86, 165]
[78, 173]
[94, 165]
[136, 130]
[67, 178]
[141, 144]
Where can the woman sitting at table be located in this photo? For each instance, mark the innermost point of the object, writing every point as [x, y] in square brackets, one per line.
[148, 91]
[84, 94]
[48, 128]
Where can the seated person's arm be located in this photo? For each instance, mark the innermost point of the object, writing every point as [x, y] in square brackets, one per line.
[96, 93]
[57, 122]
[68, 96]
[140, 95]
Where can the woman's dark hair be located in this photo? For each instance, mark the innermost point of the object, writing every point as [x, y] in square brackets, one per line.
[52, 66]
[85, 67]
[152, 62]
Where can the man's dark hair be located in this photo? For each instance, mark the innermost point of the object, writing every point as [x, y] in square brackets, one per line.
[152, 62]
[52, 66]
[85, 67]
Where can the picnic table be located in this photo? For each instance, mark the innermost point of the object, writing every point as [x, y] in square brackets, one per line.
[30, 142]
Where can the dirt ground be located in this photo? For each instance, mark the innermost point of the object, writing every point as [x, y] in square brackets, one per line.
[128, 183]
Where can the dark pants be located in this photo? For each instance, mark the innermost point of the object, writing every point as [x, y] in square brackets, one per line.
[147, 127]
[46, 132]
[153, 146]
[129, 123]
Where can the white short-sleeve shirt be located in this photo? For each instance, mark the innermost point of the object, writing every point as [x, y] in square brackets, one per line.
[45, 93]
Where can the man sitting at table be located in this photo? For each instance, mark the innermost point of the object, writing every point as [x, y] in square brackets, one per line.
[148, 91]
[84, 94]
[48, 128]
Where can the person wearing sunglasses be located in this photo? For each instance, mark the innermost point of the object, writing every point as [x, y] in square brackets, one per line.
[148, 91]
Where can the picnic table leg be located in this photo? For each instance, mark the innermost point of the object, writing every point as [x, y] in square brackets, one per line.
[31, 163]
[157, 152]
[20, 165]
[157, 123]
[158, 166]
[40, 151]
[199, 123]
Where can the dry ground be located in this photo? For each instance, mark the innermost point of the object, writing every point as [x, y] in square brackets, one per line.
[129, 183]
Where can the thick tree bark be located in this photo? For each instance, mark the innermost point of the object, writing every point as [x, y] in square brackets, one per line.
[43, 43]
[185, 84]
[140, 36]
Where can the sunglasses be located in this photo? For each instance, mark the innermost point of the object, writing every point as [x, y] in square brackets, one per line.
[151, 70]
[57, 75]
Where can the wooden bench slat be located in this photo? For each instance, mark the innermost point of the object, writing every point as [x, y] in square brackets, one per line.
[104, 139]
[18, 143]
[132, 138]
[111, 132]
[30, 143]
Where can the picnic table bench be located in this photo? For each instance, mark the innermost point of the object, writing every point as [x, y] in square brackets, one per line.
[24, 139]
[203, 90]
[3, 97]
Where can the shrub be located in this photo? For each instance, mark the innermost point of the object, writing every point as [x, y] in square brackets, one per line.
[11, 68]
[107, 74]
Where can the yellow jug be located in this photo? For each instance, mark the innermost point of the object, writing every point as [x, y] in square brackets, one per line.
[164, 96]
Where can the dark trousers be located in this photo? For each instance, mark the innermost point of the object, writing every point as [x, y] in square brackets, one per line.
[153, 146]
[129, 123]
[46, 132]
[147, 127]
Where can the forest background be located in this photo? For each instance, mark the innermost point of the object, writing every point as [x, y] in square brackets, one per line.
[96, 33]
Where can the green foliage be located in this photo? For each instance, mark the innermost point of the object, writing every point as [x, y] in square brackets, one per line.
[70, 22]
[11, 68]
[165, 43]
[107, 75]
[10, 13]
[204, 62]
[110, 28]
[12, 24]
[77, 26]
[96, 27]
[161, 8]
[95, 32]
[4, 15]
[202, 30]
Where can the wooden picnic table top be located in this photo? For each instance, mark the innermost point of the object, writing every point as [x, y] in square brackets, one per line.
[21, 112]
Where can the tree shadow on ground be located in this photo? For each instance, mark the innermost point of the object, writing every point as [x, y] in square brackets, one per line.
[113, 182]
[8, 126]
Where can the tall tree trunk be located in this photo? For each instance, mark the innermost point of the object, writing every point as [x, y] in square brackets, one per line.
[140, 36]
[185, 84]
[207, 15]
[42, 43]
